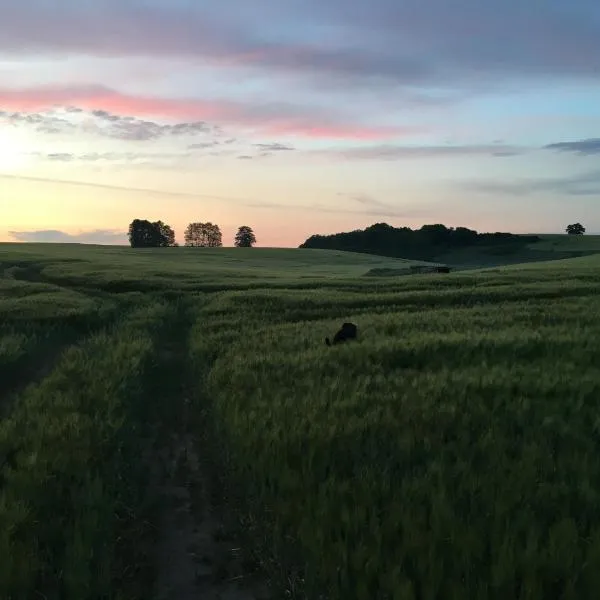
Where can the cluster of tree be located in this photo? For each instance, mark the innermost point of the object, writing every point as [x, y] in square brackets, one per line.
[203, 235]
[423, 243]
[575, 229]
[147, 234]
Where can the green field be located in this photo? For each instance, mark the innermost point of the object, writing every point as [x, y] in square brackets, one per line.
[452, 452]
[568, 243]
[550, 247]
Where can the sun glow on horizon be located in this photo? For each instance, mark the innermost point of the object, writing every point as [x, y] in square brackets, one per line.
[15, 150]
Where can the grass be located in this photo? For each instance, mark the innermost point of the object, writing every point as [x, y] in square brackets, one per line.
[574, 243]
[69, 447]
[190, 269]
[451, 452]
[550, 247]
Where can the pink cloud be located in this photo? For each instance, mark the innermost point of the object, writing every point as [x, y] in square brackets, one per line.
[266, 118]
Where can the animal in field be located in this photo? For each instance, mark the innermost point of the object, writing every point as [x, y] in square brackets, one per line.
[347, 332]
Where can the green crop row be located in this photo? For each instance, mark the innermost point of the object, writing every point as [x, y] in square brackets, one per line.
[71, 478]
[452, 452]
[37, 321]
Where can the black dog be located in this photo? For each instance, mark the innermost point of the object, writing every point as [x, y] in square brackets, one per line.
[347, 332]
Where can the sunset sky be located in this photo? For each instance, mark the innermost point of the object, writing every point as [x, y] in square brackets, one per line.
[297, 117]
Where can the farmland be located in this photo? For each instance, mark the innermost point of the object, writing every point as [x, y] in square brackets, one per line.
[550, 247]
[452, 452]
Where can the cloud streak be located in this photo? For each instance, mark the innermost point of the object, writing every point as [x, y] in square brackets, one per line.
[371, 207]
[122, 114]
[120, 188]
[113, 157]
[393, 152]
[96, 236]
[586, 147]
[410, 42]
[585, 184]
[274, 147]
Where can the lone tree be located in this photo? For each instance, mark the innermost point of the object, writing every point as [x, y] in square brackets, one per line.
[145, 234]
[575, 229]
[245, 238]
[203, 235]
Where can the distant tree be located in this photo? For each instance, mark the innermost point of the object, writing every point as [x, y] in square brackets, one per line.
[463, 236]
[203, 235]
[435, 234]
[144, 234]
[215, 237]
[166, 233]
[425, 243]
[575, 229]
[245, 238]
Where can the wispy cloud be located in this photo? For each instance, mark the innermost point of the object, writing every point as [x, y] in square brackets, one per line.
[60, 156]
[398, 152]
[131, 128]
[43, 123]
[584, 184]
[583, 147]
[368, 201]
[274, 147]
[122, 188]
[105, 124]
[203, 145]
[122, 114]
[96, 236]
[113, 157]
[370, 207]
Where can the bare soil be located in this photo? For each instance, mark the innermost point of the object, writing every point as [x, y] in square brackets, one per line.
[194, 557]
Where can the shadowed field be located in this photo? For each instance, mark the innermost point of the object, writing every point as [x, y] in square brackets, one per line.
[451, 452]
[550, 247]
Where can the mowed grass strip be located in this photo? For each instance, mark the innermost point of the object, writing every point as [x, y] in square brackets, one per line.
[71, 475]
[451, 453]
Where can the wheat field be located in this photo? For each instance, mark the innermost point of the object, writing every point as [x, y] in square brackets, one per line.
[451, 452]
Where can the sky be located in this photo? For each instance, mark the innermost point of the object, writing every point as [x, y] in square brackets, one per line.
[297, 117]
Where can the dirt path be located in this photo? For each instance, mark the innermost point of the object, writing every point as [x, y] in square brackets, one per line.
[194, 559]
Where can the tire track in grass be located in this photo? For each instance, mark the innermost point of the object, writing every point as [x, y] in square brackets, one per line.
[195, 557]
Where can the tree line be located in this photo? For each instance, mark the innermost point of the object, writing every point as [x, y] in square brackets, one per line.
[424, 243]
[156, 234]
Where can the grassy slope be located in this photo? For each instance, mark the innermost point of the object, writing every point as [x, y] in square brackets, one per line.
[551, 247]
[451, 453]
[204, 269]
[568, 243]
[190, 268]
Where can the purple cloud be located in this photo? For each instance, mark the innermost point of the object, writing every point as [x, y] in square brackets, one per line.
[413, 43]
